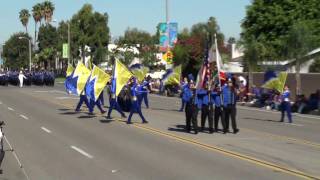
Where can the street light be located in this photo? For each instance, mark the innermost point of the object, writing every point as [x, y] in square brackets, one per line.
[21, 37]
[1, 45]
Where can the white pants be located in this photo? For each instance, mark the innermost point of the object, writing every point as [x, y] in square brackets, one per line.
[21, 82]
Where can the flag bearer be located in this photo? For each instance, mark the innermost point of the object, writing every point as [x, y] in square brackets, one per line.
[229, 93]
[183, 85]
[285, 104]
[113, 100]
[135, 105]
[202, 101]
[191, 108]
[84, 99]
[215, 99]
[143, 93]
[98, 103]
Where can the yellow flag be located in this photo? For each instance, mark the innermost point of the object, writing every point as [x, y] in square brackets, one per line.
[140, 73]
[175, 77]
[70, 70]
[83, 74]
[121, 75]
[277, 83]
[101, 80]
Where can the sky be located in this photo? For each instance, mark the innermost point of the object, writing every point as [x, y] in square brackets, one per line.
[143, 14]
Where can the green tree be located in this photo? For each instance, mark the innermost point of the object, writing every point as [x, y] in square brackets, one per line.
[48, 41]
[270, 22]
[36, 13]
[253, 53]
[89, 28]
[315, 67]
[190, 49]
[16, 51]
[143, 41]
[299, 43]
[24, 16]
[48, 8]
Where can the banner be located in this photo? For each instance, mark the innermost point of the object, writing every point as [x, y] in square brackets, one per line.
[168, 35]
[65, 50]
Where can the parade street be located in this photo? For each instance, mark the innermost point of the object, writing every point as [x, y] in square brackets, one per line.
[53, 142]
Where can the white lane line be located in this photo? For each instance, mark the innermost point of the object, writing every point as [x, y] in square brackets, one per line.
[41, 91]
[46, 130]
[62, 98]
[293, 124]
[24, 117]
[58, 91]
[11, 109]
[82, 152]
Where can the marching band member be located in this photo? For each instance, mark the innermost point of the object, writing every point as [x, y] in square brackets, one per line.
[285, 104]
[113, 100]
[229, 93]
[135, 105]
[191, 108]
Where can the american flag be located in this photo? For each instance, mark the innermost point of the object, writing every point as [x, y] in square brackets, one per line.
[204, 74]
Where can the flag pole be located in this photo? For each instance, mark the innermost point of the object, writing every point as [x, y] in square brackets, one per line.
[218, 67]
[217, 61]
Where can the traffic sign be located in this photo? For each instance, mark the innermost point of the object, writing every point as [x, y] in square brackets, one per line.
[168, 56]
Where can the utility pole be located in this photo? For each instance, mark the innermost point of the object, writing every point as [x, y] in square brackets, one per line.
[69, 48]
[168, 66]
[22, 37]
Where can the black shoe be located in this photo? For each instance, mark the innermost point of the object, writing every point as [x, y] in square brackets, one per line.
[281, 121]
[236, 131]
[102, 112]
[129, 122]
[109, 117]
[90, 113]
[195, 132]
[123, 116]
[145, 122]
[211, 131]
[224, 132]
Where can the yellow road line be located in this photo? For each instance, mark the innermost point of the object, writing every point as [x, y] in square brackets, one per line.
[216, 149]
[299, 141]
[286, 138]
[229, 153]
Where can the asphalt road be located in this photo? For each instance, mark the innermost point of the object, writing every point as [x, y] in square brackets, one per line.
[54, 142]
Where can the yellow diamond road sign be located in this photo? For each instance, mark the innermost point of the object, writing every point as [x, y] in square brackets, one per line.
[168, 56]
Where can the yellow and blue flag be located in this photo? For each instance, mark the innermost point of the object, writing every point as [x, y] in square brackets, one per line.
[78, 79]
[96, 83]
[121, 76]
[69, 81]
[172, 76]
[139, 71]
[277, 83]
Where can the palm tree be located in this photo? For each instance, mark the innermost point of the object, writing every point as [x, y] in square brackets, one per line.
[299, 43]
[24, 16]
[41, 12]
[36, 13]
[48, 10]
